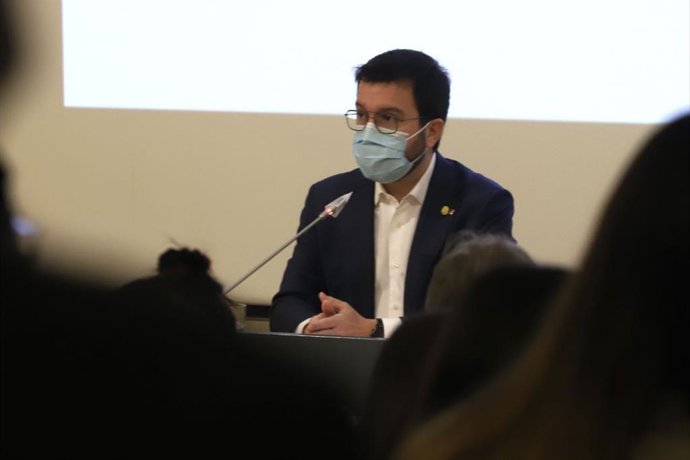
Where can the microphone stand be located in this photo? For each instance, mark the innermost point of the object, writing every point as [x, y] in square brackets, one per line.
[332, 209]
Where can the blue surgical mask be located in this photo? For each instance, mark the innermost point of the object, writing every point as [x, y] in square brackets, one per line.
[381, 157]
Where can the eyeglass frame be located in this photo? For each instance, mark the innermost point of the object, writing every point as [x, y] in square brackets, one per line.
[373, 115]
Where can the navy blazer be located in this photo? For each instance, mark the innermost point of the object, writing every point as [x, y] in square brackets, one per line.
[337, 255]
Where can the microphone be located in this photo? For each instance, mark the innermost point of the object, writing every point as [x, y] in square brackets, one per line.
[332, 209]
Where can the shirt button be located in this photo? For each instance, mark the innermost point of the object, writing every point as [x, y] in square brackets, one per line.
[396, 265]
[396, 307]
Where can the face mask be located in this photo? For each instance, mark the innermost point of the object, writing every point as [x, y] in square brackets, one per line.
[381, 157]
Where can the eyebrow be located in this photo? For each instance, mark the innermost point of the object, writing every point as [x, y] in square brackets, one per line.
[394, 110]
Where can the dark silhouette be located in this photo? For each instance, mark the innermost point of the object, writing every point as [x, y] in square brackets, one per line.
[436, 359]
[150, 370]
[607, 376]
[500, 311]
[467, 256]
[408, 357]
[183, 277]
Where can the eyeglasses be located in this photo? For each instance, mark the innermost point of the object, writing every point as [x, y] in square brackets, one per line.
[386, 123]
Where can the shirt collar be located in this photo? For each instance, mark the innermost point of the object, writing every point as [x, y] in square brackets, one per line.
[418, 192]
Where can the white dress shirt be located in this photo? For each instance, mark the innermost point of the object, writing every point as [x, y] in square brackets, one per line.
[395, 223]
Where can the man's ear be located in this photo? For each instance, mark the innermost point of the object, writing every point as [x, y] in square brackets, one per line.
[434, 132]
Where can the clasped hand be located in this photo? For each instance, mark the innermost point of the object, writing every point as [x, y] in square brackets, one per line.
[339, 318]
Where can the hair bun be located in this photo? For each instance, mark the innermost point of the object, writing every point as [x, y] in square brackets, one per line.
[183, 261]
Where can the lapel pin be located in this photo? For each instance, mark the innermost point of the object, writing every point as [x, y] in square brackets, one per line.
[446, 211]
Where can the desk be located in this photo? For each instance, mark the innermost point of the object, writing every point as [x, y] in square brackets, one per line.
[343, 364]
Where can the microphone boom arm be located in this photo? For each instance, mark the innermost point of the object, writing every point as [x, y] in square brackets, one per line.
[332, 209]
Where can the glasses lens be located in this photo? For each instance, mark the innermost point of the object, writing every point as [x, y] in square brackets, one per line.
[385, 123]
[356, 121]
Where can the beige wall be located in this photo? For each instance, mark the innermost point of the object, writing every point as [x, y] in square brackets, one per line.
[111, 189]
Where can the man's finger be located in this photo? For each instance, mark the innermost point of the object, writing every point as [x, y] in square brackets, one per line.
[329, 305]
[318, 325]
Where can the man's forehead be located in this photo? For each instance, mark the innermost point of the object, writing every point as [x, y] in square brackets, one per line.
[386, 95]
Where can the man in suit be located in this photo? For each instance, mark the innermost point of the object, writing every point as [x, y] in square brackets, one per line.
[360, 274]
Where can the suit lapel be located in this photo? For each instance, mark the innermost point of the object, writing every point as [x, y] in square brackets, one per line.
[433, 229]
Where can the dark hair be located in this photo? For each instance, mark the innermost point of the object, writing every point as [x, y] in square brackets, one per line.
[634, 278]
[430, 82]
[183, 261]
[468, 256]
[183, 281]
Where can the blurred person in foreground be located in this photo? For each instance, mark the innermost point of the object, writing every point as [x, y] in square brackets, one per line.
[485, 297]
[151, 370]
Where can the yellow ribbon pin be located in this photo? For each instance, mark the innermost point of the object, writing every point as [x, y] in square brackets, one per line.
[446, 211]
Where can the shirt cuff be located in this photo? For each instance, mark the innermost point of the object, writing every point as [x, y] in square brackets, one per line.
[390, 325]
[300, 327]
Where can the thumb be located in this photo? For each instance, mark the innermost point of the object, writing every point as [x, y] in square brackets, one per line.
[327, 304]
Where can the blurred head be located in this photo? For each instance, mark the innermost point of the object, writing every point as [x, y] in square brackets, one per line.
[469, 255]
[184, 263]
[634, 277]
[183, 282]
